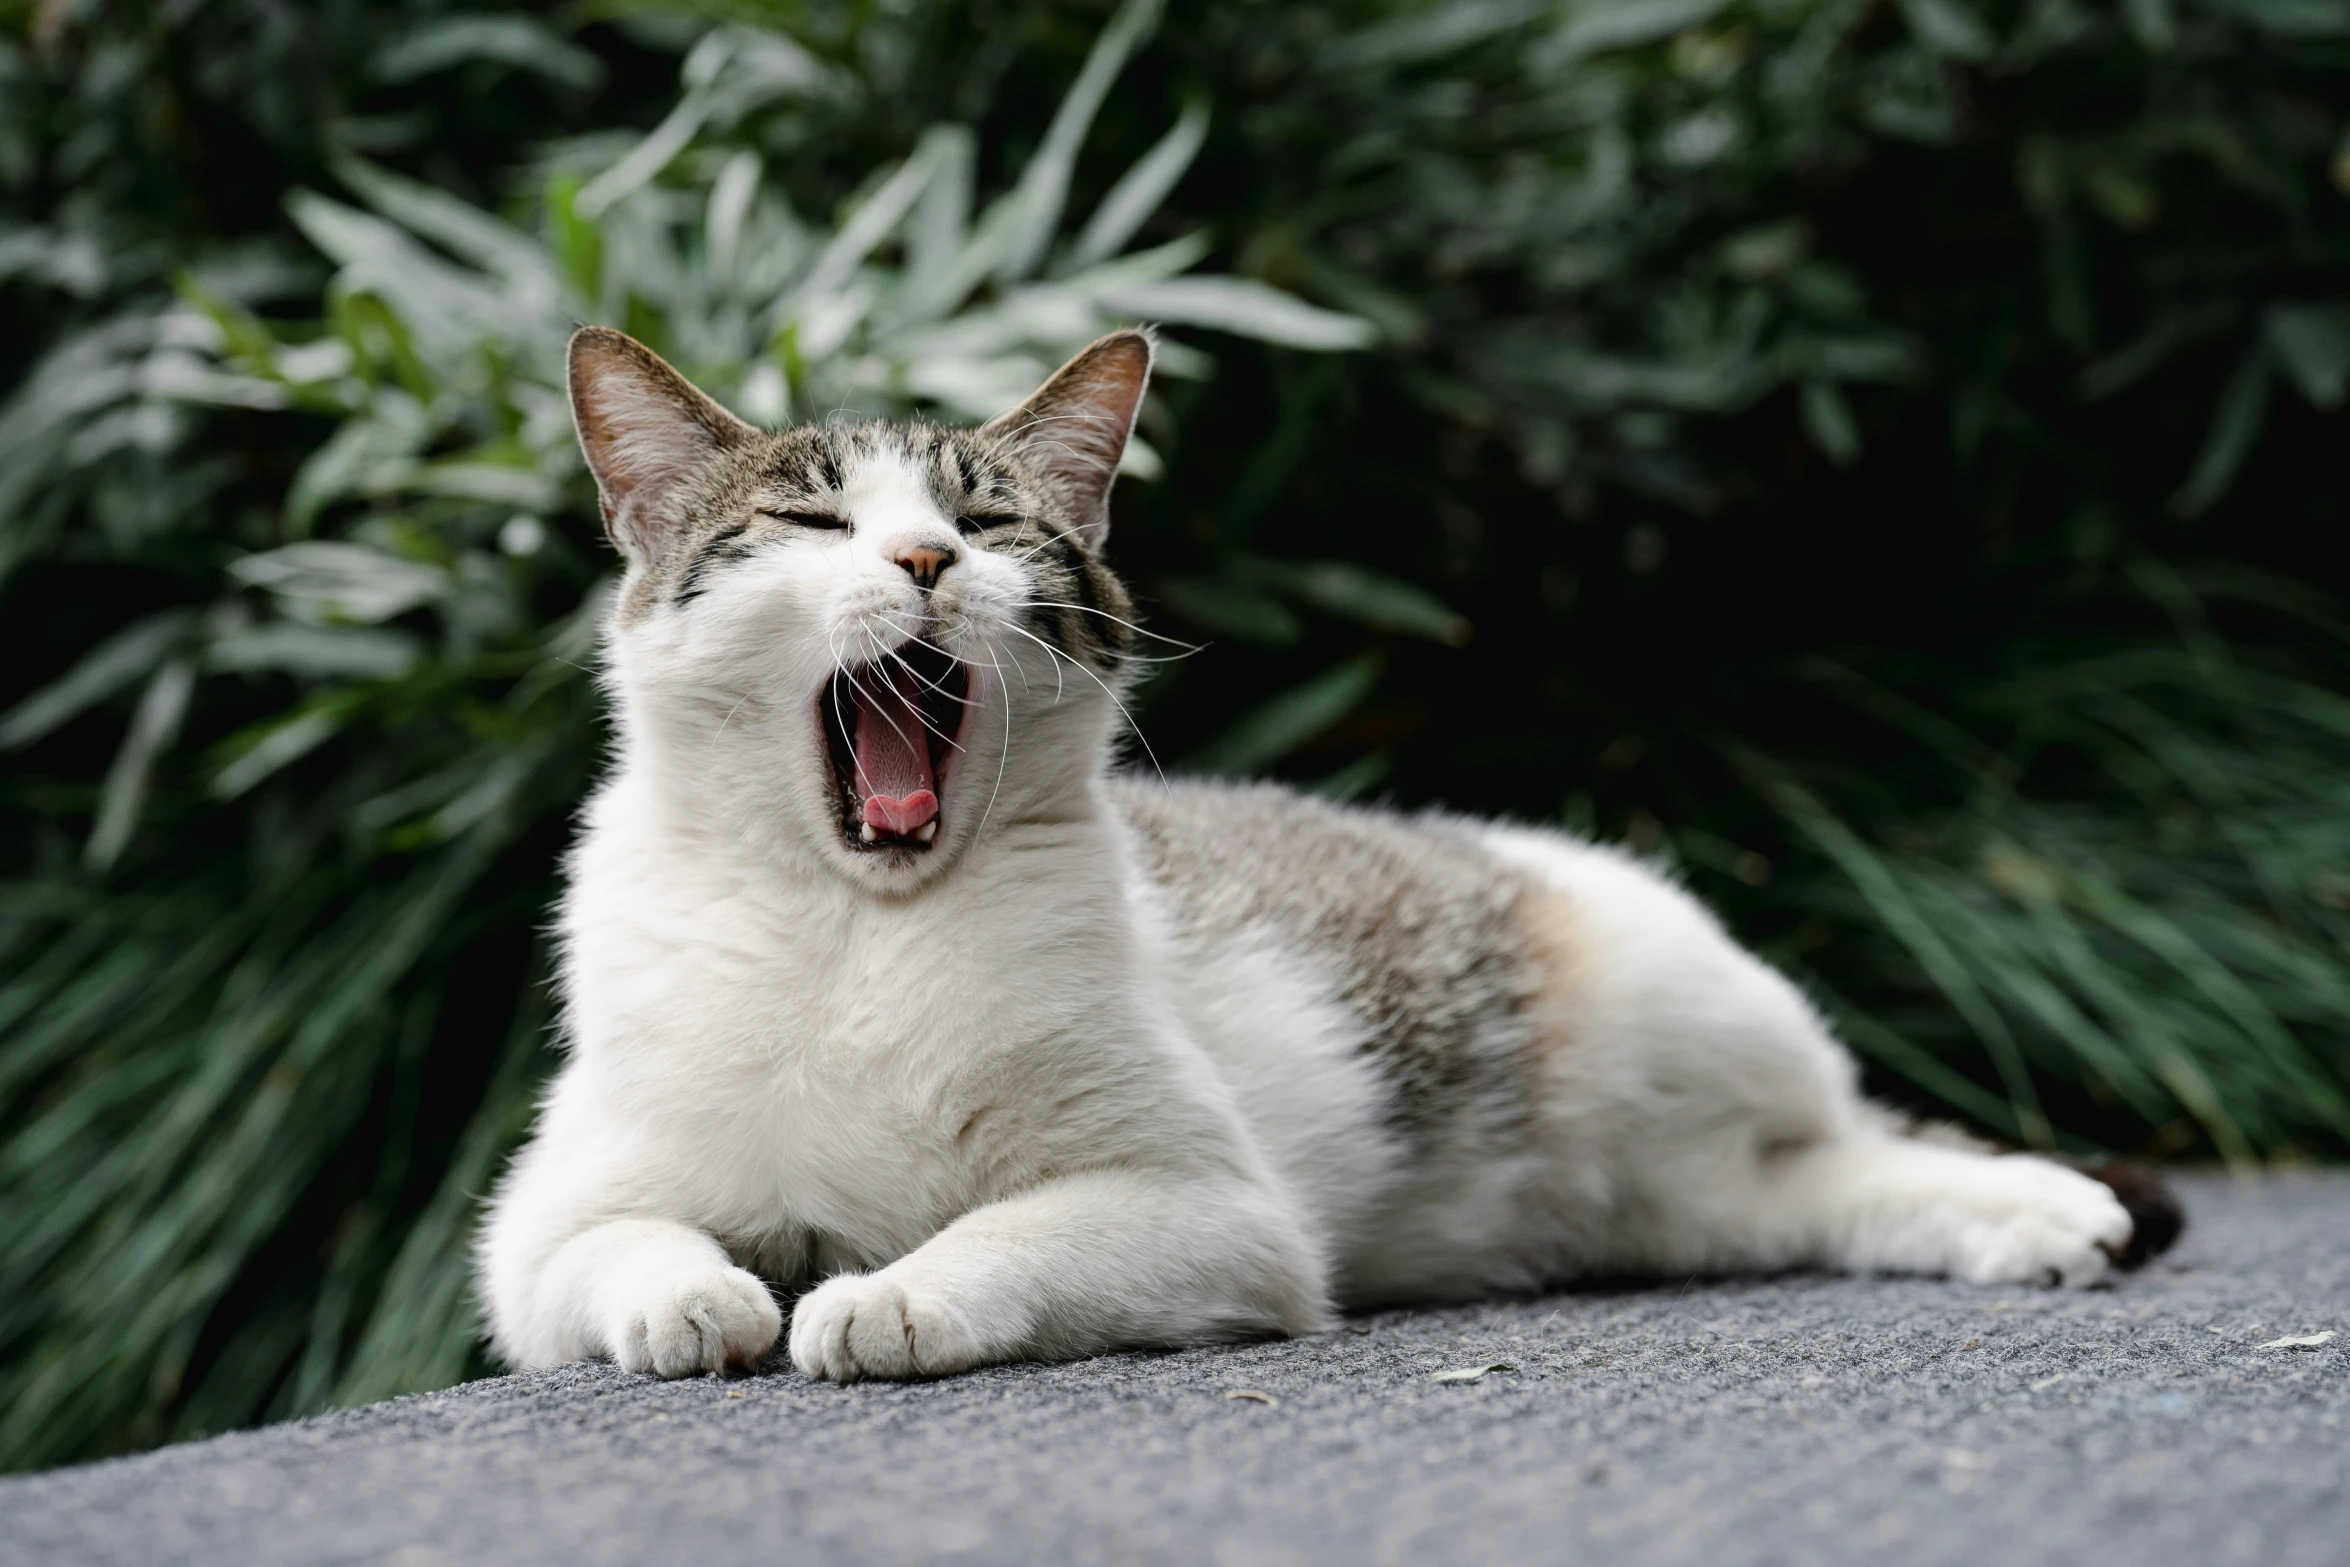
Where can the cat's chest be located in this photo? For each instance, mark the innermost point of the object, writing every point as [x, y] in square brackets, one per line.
[836, 1073]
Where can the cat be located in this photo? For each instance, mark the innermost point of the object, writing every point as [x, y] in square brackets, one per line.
[880, 987]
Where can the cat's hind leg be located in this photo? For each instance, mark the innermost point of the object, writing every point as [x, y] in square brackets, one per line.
[1870, 1201]
[1695, 1099]
[1758, 1153]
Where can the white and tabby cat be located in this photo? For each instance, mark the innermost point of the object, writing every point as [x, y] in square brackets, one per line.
[879, 986]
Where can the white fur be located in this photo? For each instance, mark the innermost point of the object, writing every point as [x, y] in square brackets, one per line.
[992, 1108]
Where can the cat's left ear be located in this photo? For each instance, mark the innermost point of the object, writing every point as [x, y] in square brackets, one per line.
[1074, 428]
[647, 433]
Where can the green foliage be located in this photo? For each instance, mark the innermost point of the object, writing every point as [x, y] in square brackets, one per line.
[1877, 456]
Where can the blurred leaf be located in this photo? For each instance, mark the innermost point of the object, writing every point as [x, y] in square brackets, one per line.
[1948, 27]
[315, 651]
[1271, 731]
[113, 664]
[2312, 341]
[278, 743]
[1358, 593]
[1245, 306]
[1141, 189]
[2235, 426]
[522, 42]
[1827, 419]
[320, 579]
[1623, 24]
[1356, 778]
[1226, 609]
[154, 725]
[2288, 18]
[1031, 213]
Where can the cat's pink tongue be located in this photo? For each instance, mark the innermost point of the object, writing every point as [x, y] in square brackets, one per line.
[894, 779]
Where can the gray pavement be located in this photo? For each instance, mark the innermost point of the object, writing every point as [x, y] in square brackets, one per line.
[1797, 1420]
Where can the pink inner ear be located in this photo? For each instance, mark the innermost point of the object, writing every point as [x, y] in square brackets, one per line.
[1076, 426]
[645, 433]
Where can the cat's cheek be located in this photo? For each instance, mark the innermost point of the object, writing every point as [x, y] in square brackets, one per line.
[861, 1325]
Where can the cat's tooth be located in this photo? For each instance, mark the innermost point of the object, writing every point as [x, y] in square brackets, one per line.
[928, 830]
[867, 834]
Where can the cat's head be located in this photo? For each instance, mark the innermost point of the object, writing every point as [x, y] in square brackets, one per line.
[863, 645]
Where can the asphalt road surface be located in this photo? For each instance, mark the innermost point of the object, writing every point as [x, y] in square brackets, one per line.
[1800, 1420]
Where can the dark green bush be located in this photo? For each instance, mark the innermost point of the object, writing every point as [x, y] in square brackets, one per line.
[1875, 455]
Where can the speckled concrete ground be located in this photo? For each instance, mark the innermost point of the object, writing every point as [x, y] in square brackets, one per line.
[1799, 1420]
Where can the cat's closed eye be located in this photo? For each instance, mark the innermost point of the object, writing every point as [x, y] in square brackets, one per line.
[805, 519]
[977, 522]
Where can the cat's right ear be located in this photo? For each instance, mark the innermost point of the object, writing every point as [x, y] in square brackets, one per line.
[647, 433]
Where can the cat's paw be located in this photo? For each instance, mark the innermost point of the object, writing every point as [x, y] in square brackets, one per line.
[862, 1325]
[688, 1323]
[2038, 1223]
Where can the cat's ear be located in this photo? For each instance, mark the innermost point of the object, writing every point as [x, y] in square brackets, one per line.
[1074, 428]
[647, 433]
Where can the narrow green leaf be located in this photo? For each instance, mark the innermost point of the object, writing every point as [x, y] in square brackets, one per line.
[1246, 308]
[2312, 342]
[113, 664]
[1269, 732]
[2235, 429]
[1140, 189]
[1626, 24]
[1373, 598]
[1828, 420]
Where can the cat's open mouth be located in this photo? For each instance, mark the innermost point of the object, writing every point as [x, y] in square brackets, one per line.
[890, 728]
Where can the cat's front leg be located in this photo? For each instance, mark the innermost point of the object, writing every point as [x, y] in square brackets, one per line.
[661, 1297]
[1114, 1259]
[653, 1294]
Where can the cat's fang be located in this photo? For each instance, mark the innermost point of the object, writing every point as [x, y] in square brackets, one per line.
[927, 831]
[867, 834]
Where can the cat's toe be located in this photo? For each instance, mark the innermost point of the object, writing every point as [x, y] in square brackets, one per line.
[2032, 1251]
[2051, 1226]
[859, 1325]
[699, 1323]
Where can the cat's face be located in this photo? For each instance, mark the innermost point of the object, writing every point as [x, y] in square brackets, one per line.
[867, 645]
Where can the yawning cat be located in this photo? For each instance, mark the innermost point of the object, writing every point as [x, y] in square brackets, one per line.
[881, 989]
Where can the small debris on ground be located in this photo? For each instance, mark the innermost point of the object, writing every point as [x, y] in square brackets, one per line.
[1252, 1396]
[1470, 1373]
[2299, 1341]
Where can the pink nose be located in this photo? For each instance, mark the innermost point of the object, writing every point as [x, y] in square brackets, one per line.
[923, 562]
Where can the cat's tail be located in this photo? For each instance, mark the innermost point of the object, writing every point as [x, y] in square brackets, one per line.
[2155, 1215]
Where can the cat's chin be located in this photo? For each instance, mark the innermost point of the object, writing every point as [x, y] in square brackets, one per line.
[891, 732]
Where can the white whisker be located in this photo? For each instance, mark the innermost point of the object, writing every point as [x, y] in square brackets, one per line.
[1139, 736]
[1189, 648]
[1004, 751]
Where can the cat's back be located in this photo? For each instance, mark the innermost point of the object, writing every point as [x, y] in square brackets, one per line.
[1412, 924]
[1375, 888]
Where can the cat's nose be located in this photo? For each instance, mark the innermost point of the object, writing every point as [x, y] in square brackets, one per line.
[923, 562]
